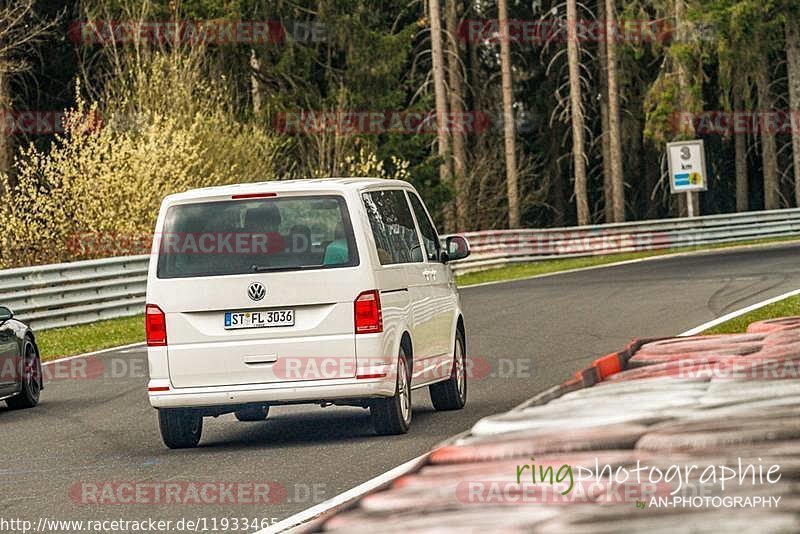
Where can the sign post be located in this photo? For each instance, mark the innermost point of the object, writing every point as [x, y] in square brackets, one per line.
[687, 169]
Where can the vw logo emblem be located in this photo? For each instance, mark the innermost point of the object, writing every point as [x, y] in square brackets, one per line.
[256, 291]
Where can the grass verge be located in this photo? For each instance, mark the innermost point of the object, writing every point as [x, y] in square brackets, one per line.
[785, 308]
[71, 340]
[526, 270]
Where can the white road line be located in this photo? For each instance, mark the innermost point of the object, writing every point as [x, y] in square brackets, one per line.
[95, 353]
[341, 501]
[301, 520]
[738, 313]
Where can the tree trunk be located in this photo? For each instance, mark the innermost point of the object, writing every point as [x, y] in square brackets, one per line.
[556, 193]
[685, 105]
[445, 168]
[793, 68]
[576, 111]
[769, 151]
[615, 144]
[255, 83]
[512, 181]
[740, 149]
[475, 139]
[602, 57]
[456, 109]
[5, 136]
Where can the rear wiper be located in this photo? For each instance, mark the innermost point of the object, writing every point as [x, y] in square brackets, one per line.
[266, 268]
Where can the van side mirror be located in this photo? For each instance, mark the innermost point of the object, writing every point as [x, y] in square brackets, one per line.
[5, 314]
[456, 247]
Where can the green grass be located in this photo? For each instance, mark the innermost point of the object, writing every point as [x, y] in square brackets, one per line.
[785, 308]
[69, 341]
[526, 270]
[72, 340]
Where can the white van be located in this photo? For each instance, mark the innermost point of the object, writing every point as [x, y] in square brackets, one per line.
[332, 291]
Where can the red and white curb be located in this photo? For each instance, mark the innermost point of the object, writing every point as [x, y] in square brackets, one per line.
[600, 370]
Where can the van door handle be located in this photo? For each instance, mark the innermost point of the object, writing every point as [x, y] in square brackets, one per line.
[261, 360]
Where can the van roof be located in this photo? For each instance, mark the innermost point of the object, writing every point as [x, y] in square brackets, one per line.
[277, 186]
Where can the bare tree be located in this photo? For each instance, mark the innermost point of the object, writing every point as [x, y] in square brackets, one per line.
[255, 81]
[792, 31]
[512, 180]
[445, 168]
[614, 133]
[769, 150]
[740, 151]
[20, 32]
[455, 79]
[605, 141]
[684, 98]
[576, 112]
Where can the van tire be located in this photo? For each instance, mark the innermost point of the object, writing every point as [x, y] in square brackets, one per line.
[180, 428]
[452, 393]
[250, 414]
[392, 416]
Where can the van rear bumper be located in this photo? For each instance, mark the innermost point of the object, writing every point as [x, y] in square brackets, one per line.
[308, 391]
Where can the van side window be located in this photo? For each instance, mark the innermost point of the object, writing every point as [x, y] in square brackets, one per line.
[393, 227]
[429, 237]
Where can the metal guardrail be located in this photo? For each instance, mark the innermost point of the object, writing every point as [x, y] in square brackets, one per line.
[68, 294]
[504, 247]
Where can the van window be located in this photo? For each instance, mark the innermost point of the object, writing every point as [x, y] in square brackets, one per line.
[429, 237]
[260, 235]
[393, 227]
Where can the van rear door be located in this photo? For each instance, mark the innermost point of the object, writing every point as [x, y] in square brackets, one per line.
[255, 289]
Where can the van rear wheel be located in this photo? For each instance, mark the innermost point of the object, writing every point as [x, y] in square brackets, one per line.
[393, 415]
[452, 393]
[180, 428]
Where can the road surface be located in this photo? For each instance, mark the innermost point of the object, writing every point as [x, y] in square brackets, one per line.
[533, 334]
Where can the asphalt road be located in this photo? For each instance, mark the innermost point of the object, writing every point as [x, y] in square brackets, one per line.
[533, 334]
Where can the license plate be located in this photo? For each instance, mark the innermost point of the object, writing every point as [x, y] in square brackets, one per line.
[258, 319]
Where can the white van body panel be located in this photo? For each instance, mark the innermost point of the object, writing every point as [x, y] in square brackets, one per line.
[320, 358]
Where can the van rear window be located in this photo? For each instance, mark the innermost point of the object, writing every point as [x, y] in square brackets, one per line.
[258, 235]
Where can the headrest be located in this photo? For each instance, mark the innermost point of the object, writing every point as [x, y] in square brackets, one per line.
[263, 218]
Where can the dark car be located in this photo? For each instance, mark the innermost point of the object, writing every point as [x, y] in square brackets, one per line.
[20, 365]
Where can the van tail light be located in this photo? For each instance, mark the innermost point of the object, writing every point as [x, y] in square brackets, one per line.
[155, 326]
[368, 316]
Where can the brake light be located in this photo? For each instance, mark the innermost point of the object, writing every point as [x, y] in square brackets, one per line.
[155, 326]
[368, 316]
[254, 195]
